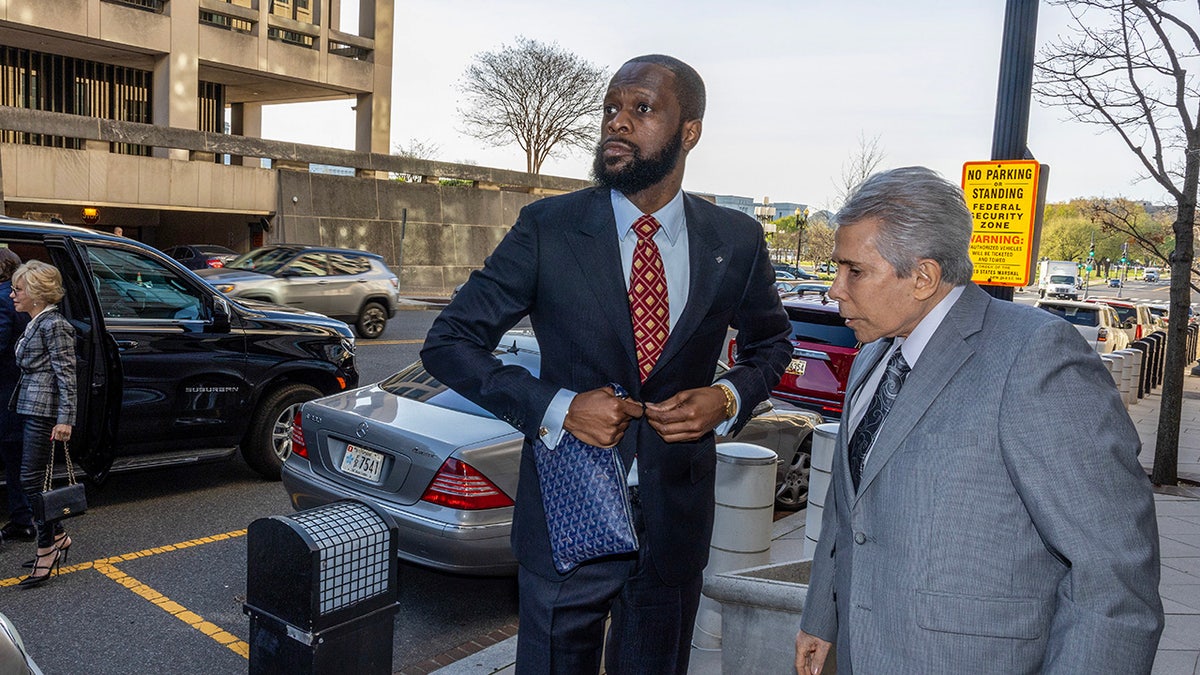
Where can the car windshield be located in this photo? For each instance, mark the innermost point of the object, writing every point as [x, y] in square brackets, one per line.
[1061, 279]
[1125, 313]
[821, 327]
[1080, 316]
[264, 260]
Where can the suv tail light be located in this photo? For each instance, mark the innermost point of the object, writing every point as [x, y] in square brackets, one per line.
[215, 262]
[460, 486]
[1138, 333]
[298, 445]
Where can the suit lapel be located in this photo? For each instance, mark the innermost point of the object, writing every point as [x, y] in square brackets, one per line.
[593, 241]
[942, 357]
[867, 360]
[708, 258]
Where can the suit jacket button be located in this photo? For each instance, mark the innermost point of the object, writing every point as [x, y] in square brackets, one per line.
[860, 538]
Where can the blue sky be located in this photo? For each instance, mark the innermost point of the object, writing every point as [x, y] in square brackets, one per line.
[792, 86]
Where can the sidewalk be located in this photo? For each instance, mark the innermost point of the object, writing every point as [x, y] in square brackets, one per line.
[1178, 512]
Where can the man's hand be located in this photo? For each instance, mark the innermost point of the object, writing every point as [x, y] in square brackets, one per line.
[811, 652]
[688, 415]
[599, 418]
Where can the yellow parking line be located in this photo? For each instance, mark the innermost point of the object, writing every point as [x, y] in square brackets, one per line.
[106, 567]
[221, 636]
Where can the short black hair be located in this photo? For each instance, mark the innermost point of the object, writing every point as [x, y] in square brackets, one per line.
[689, 86]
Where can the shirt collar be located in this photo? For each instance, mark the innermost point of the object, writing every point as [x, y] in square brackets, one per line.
[670, 217]
[914, 344]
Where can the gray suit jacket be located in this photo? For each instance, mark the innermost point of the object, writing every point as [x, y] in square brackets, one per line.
[46, 356]
[1003, 523]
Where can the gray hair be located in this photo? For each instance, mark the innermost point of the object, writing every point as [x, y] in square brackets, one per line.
[920, 215]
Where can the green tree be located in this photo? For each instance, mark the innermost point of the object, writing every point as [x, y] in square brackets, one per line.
[542, 96]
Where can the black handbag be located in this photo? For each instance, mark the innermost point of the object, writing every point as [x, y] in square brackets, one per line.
[586, 500]
[53, 503]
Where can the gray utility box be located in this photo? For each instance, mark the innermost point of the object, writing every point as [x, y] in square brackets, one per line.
[321, 589]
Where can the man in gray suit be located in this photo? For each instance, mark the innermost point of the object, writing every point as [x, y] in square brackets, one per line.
[987, 511]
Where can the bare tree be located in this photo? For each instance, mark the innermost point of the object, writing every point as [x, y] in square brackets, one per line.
[1124, 66]
[859, 167]
[540, 95]
[415, 149]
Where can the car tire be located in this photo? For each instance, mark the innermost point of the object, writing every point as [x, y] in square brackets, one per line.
[269, 440]
[371, 321]
[792, 493]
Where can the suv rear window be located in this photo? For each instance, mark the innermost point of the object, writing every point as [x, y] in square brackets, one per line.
[820, 327]
[1077, 315]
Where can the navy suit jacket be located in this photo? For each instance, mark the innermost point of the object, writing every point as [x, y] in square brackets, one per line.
[560, 265]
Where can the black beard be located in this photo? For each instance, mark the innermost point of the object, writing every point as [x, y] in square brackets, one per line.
[641, 172]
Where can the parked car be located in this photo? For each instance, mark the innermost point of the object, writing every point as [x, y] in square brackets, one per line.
[823, 349]
[201, 256]
[1133, 317]
[1162, 313]
[1114, 282]
[169, 370]
[354, 286]
[446, 470]
[785, 271]
[1097, 322]
[799, 287]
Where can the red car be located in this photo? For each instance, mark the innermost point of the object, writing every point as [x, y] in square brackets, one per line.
[823, 349]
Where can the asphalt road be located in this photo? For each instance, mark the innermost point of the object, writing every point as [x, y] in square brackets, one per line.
[156, 577]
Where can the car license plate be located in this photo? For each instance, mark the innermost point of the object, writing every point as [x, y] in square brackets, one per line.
[363, 463]
[796, 367]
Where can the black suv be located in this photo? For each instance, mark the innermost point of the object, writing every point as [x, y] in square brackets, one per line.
[171, 371]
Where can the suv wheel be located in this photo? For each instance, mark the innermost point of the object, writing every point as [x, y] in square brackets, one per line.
[371, 321]
[792, 493]
[269, 439]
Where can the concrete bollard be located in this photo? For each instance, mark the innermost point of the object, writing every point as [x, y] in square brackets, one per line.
[1118, 373]
[745, 506]
[819, 475]
[1129, 376]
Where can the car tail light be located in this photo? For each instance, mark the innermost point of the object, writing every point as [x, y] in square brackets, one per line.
[732, 351]
[1138, 333]
[460, 486]
[1102, 335]
[298, 445]
[215, 262]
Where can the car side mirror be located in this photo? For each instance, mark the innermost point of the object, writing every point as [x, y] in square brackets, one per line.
[220, 315]
[289, 273]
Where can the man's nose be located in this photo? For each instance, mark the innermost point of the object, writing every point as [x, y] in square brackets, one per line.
[619, 122]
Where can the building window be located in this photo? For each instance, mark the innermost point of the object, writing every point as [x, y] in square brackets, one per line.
[39, 81]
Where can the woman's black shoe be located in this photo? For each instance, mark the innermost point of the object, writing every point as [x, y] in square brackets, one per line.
[15, 532]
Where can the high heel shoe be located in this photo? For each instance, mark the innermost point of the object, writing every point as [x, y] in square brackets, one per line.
[57, 556]
[58, 543]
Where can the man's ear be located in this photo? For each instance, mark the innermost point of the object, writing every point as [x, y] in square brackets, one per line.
[927, 278]
[691, 133]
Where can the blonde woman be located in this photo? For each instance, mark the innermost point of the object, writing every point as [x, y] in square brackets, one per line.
[45, 397]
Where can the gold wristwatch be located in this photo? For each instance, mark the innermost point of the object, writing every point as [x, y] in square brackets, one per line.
[730, 401]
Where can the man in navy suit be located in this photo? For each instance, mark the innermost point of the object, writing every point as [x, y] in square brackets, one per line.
[567, 264]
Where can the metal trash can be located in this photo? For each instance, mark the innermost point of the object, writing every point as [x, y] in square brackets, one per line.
[321, 590]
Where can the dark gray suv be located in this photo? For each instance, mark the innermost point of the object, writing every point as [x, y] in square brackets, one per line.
[354, 286]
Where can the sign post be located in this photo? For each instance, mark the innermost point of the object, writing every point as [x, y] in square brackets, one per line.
[1003, 198]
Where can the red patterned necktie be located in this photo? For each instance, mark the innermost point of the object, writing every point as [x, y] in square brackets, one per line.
[648, 297]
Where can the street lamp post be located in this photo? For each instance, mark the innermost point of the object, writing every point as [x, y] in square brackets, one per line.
[801, 223]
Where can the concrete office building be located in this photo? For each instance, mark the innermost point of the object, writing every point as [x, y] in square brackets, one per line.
[142, 90]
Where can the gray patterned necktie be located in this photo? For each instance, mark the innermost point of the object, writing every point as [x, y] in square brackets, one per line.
[877, 410]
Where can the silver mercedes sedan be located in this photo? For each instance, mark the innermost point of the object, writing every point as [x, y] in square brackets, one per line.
[446, 470]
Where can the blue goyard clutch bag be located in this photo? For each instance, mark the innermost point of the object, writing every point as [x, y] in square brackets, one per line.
[586, 500]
